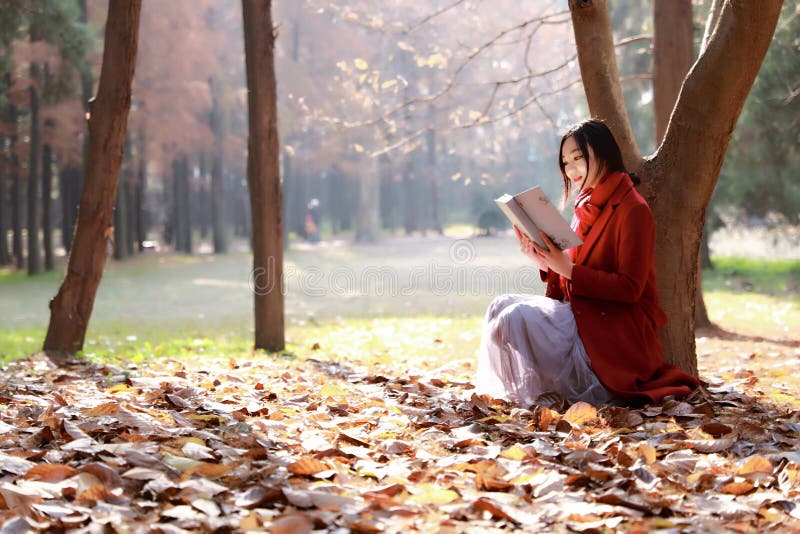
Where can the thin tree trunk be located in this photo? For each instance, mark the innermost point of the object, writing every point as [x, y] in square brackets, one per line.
[263, 174]
[203, 198]
[434, 197]
[368, 221]
[121, 220]
[5, 256]
[680, 177]
[16, 205]
[177, 206]
[130, 197]
[34, 178]
[186, 195]
[141, 185]
[216, 119]
[47, 205]
[72, 306]
[69, 191]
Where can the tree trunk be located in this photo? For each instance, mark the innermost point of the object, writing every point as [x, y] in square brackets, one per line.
[679, 178]
[701, 318]
[34, 178]
[141, 186]
[672, 57]
[433, 183]
[203, 198]
[368, 220]
[16, 205]
[594, 40]
[72, 306]
[47, 205]
[263, 174]
[5, 256]
[217, 164]
[186, 213]
[121, 220]
[69, 192]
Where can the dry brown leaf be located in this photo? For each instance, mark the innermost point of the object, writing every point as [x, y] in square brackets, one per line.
[756, 464]
[210, 470]
[50, 472]
[542, 417]
[619, 417]
[487, 505]
[106, 408]
[307, 466]
[738, 488]
[647, 453]
[580, 412]
[716, 430]
[291, 524]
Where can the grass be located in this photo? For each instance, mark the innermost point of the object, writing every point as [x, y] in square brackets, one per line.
[154, 306]
[737, 275]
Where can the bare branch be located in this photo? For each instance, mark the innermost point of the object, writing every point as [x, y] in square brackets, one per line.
[432, 16]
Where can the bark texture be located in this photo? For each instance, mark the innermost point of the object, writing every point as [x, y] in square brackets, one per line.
[591, 22]
[263, 174]
[71, 308]
[672, 57]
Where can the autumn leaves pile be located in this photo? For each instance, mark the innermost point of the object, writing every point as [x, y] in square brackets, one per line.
[301, 444]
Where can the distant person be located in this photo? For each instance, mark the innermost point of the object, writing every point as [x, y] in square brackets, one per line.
[593, 336]
[312, 221]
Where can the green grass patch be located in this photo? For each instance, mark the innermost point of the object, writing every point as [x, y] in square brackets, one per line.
[378, 340]
[772, 277]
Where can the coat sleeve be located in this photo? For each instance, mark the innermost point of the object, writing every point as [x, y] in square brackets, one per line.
[634, 246]
[553, 281]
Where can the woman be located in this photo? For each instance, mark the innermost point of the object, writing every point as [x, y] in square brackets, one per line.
[593, 336]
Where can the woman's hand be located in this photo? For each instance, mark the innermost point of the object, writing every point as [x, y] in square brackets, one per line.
[557, 260]
[526, 246]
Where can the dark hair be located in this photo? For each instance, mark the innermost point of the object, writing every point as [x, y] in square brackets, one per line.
[594, 133]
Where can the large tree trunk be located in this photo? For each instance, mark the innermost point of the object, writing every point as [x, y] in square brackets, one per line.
[594, 40]
[72, 306]
[263, 174]
[34, 177]
[680, 177]
[672, 57]
[47, 207]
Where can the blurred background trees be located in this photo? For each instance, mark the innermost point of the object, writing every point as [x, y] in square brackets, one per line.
[400, 119]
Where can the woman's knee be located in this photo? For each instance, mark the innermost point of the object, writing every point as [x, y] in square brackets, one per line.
[498, 305]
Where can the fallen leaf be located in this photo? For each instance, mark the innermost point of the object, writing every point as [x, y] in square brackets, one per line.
[580, 412]
[307, 466]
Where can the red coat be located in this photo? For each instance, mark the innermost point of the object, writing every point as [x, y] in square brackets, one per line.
[615, 302]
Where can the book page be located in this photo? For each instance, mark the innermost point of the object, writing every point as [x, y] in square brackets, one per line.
[545, 215]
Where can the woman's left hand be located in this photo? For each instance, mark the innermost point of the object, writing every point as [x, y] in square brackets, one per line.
[558, 260]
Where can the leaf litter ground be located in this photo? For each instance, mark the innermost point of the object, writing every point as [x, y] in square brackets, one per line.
[352, 442]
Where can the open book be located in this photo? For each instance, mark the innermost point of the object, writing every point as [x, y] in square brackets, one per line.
[532, 212]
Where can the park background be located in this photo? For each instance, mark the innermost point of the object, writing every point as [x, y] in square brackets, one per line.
[398, 125]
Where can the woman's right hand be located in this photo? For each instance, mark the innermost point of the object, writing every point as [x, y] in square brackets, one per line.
[527, 248]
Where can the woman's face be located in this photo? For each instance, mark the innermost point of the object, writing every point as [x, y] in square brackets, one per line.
[575, 165]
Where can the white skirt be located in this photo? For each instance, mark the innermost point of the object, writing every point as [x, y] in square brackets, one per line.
[530, 345]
